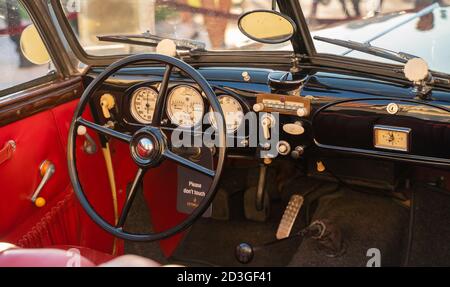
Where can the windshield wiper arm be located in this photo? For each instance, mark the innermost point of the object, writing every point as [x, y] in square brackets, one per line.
[148, 39]
[369, 49]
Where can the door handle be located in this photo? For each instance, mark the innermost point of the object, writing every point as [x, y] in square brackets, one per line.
[47, 169]
[7, 151]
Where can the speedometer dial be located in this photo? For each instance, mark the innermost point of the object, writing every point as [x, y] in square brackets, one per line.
[143, 104]
[185, 107]
[233, 112]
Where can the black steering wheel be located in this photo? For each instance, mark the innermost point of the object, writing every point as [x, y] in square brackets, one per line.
[149, 146]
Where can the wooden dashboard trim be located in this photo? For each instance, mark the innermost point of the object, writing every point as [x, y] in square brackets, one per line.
[20, 105]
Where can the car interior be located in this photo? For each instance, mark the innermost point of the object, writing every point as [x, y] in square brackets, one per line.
[191, 156]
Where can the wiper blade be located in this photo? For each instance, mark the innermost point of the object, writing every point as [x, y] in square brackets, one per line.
[148, 39]
[369, 49]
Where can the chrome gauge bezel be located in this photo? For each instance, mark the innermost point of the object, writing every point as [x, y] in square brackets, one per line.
[211, 116]
[169, 111]
[134, 113]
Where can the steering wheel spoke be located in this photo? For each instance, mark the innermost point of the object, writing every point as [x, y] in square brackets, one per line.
[189, 164]
[162, 97]
[104, 131]
[131, 196]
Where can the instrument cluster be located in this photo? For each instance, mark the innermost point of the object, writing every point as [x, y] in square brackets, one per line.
[185, 107]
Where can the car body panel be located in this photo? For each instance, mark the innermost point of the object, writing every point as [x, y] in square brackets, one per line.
[430, 43]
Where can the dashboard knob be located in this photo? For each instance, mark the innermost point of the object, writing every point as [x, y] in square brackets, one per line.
[298, 152]
[302, 112]
[82, 130]
[295, 129]
[244, 253]
[258, 107]
[283, 148]
[320, 167]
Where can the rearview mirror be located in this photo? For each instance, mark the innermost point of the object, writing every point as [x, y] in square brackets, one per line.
[32, 46]
[266, 26]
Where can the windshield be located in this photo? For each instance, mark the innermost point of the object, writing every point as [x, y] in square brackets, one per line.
[212, 22]
[417, 27]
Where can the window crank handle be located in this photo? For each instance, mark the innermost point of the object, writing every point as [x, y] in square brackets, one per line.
[47, 170]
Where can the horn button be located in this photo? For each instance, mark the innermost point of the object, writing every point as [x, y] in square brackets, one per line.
[147, 147]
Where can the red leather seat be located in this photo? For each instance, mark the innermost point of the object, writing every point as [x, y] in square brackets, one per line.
[92, 255]
[67, 256]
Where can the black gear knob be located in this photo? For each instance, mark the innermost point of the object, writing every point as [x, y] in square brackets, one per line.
[244, 253]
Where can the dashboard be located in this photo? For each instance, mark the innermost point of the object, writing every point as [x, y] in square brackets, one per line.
[332, 112]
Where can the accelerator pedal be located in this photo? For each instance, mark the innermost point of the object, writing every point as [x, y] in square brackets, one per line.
[290, 215]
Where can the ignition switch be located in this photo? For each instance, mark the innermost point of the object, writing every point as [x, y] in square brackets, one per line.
[267, 122]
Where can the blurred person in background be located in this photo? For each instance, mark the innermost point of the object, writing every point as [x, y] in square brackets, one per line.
[316, 3]
[373, 7]
[10, 12]
[426, 22]
[215, 15]
[217, 24]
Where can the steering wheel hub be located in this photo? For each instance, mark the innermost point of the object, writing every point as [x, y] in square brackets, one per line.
[147, 147]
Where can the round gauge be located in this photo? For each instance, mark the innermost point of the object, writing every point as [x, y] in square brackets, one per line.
[185, 107]
[233, 112]
[143, 103]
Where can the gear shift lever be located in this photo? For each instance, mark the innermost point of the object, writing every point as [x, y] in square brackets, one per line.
[321, 230]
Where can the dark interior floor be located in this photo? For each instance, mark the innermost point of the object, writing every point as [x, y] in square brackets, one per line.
[212, 242]
[366, 220]
[431, 233]
[139, 221]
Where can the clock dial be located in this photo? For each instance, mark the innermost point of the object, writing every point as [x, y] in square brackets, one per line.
[392, 138]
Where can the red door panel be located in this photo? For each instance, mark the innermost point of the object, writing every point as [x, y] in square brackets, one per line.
[62, 221]
[43, 136]
[37, 139]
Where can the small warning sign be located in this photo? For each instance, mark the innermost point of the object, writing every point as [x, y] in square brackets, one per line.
[193, 186]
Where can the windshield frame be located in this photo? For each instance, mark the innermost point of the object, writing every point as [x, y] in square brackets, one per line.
[304, 52]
